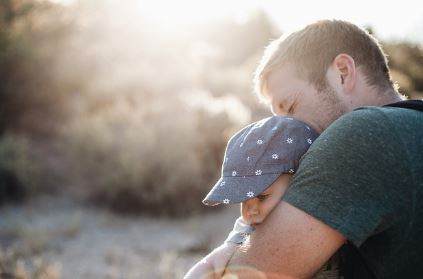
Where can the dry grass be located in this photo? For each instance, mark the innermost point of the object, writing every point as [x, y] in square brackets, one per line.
[14, 266]
[60, 239]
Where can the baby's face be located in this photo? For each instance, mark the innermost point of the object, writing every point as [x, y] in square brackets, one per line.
[255, 210]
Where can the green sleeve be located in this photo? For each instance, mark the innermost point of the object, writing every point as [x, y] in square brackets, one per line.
[351, 176]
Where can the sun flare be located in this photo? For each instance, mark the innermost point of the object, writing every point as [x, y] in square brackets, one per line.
[191, 12]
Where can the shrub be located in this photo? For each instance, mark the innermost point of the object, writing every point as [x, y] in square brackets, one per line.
[152, 157]
[17, 170]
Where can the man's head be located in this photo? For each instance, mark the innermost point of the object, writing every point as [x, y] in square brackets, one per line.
[323, 71]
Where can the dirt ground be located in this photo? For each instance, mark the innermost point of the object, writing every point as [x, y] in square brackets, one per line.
[66, 240]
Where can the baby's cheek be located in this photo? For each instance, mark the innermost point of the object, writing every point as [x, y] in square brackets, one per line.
[270, 206]
[264, 212]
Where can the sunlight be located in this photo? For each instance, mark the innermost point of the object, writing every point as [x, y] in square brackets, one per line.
[186, 11]
[386, 19]
[174, 14]
[389, 20]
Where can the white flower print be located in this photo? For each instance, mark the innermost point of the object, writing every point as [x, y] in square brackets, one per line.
[258, 172]
[248, 158]
[291, 171]
[250, 194]
[309, 141]
[259, 141]
[289, 140]
[222, 183]
[226, 201]
[233, 173]
[275, 156]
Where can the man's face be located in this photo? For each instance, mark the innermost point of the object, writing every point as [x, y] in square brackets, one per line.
[290, 95]
[255, 210]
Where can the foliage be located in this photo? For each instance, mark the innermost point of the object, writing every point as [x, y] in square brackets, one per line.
[31, 93]
[406, 60]
[15, 168]
[153, 158]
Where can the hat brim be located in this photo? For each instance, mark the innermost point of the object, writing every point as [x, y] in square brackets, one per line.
[238, 189]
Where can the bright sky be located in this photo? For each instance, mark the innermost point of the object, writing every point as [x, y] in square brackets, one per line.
[401, 19]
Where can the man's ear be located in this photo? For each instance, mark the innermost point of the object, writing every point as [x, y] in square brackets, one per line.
[345, 67]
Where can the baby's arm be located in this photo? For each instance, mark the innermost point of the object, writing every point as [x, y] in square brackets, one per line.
[213, 265]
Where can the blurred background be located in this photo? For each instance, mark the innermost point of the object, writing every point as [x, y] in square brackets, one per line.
[114, 116]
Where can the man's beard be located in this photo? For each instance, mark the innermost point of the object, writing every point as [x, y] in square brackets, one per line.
[334, 106]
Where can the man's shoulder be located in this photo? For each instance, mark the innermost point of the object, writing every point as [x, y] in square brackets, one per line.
[374, 113]
[349, 177]
[369, 136]
[371, 120]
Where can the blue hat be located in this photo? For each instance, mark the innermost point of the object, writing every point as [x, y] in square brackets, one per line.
[257, 155]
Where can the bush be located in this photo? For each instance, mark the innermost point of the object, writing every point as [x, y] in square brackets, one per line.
[151, 157]
[32, 99]
[17, 171]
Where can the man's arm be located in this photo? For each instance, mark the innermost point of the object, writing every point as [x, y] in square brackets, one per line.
[289, 244]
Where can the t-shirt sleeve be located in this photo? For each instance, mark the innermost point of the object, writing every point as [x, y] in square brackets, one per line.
[346, 178]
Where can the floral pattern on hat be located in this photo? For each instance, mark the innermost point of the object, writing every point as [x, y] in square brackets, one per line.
[269, 148]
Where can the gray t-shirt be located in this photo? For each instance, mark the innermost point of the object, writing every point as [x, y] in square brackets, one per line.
[364, 178]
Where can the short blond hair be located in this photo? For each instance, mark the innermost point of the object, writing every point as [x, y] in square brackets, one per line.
[312, 50]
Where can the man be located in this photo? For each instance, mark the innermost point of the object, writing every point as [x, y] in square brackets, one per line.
[361, 181]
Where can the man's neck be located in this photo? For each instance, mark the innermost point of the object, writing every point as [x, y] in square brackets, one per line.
[390, 96]
[382, 98]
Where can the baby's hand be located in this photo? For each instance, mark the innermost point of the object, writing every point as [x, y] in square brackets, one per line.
[213, 265]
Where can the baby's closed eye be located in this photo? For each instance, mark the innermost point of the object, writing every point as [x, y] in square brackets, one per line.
[262, 197]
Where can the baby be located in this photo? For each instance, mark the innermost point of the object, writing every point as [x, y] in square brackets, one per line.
[258, 164]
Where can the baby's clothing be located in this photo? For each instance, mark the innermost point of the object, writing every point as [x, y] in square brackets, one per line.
[240, 232]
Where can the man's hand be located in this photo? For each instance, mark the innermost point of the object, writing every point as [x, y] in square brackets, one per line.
[289, 244]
